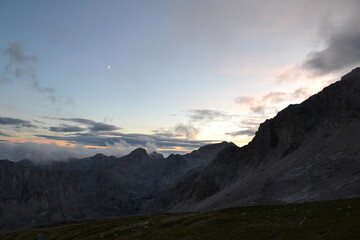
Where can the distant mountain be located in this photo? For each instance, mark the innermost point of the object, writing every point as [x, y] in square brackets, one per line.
[99, 186]
[307, 152]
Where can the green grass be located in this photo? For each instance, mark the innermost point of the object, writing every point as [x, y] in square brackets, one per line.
[338, 219]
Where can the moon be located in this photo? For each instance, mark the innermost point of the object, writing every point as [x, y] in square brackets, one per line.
[108, 67]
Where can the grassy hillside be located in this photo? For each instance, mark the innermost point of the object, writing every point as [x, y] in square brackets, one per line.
[318, 220]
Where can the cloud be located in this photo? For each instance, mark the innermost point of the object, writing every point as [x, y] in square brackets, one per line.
[259, 105]
[21, 65]
[4, 80]
[250, 122]
[188, 130]
[341, 42]
[16, 122]
[4, 134]
[103, 135]
[164, 133]
[263, 107]
[279, 97]
[151, 146]
[102, 127]
[18, 56]
[244, 100]
[207, 115]
[247, 132]
[92, 125]
[275, 97]
[66, 128]
[41, 153]
[103, 139]
[342, 51]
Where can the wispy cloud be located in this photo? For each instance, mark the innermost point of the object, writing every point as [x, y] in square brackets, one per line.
[42, 153]
[16, 122]
[188, 130]
[338, 45]
[92, 125]
[264, 106]
[21, 65]
[341, 46]
[260, 104]
[208, 115]
[4, 134]
[66, 128]
[104, 139]
[246, 132]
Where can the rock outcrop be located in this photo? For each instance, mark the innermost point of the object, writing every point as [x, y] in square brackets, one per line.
[308, 151]
[99, 186]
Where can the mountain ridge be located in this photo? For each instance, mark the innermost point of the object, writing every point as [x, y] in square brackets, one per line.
[301, 134]
[98, 186]
[307, 152]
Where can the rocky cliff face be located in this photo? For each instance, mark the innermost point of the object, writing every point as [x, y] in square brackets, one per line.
[309, 151]
[29, 197]
[99, 186]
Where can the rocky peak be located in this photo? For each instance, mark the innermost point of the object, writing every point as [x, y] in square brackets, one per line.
[26, 163]
[156, 156]
[334, 106]
[99, 155]
[354, 75]
[213, 148]
[138, 155]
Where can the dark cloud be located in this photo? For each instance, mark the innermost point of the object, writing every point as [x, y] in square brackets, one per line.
[247, 132]
[342, 51]
[92, 125]
[341, 41]
[16, 122]
[66, 128]
[102, 127]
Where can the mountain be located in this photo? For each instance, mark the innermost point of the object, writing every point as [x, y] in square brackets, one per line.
[99, 186]
[307, 152]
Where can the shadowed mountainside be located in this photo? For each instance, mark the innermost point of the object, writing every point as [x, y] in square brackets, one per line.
[307, 152]
[99, 186]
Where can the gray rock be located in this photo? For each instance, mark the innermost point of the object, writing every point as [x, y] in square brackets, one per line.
[308, 151]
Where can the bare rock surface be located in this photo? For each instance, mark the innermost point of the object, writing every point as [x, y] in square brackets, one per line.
[307, 152]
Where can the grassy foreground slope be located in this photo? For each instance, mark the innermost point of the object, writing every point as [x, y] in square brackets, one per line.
[338, 219]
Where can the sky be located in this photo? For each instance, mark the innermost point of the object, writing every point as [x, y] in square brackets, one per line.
[86, 76]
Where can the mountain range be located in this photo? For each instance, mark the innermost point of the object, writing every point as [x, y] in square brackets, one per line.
[307, 152]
